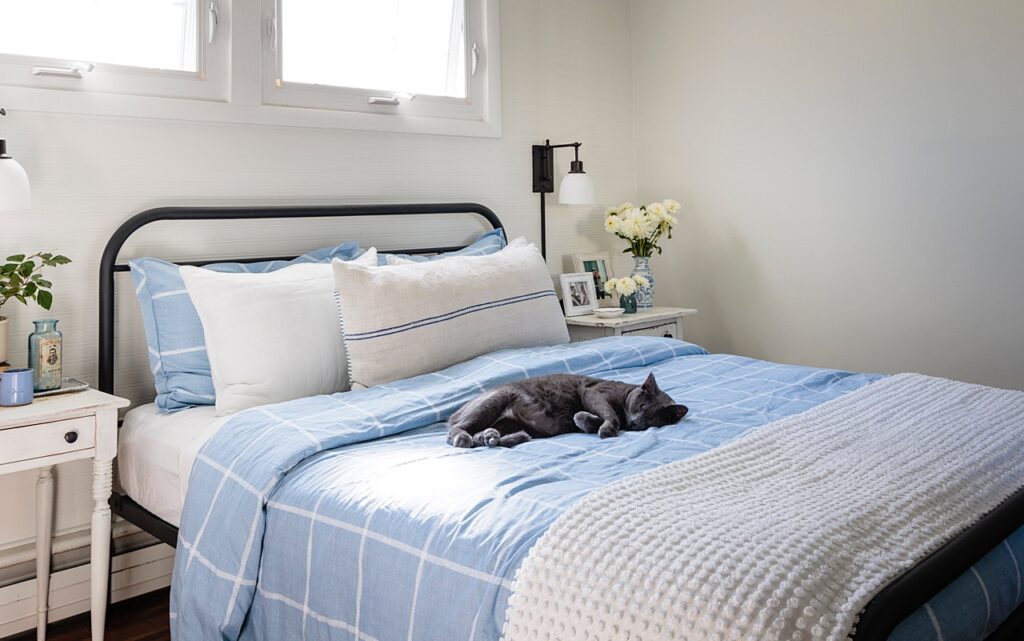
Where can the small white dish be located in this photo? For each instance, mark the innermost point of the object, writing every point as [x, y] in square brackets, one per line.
[609, 312]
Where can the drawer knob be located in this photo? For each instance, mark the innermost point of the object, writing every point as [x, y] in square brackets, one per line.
[71, 437]
[669, 335]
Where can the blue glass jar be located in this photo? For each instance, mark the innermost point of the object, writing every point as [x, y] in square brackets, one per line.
[44, 355]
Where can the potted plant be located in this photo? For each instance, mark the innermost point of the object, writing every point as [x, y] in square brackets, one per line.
[642, 227]
[21, 279]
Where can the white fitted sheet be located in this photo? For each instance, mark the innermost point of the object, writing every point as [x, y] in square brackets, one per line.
[155, 452]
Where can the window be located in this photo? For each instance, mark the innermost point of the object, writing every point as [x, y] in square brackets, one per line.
[427, 66]
[408, 46]
[417, 59]
[145, 47]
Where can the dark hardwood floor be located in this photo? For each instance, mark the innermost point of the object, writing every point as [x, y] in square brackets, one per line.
[143, 618]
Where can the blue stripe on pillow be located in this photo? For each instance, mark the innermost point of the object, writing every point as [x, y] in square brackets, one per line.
[174, 333]
[440, 318]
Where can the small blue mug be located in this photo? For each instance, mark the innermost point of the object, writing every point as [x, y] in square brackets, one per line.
[15, 387]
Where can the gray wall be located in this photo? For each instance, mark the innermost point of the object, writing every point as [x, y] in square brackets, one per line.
[852, 175]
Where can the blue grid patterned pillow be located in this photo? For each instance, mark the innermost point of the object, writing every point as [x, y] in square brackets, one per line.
[174, 333]
[488, 243]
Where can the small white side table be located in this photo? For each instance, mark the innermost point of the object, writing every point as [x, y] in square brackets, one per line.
[658, 321]
[56, 430]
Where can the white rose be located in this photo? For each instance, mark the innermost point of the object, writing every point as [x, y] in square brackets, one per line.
[611, 223]
[625, 207]
[672, 206]
[609, 285]
[641, 281]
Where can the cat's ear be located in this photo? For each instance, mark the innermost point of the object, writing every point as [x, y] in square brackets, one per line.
[650, 386]
[674, 413]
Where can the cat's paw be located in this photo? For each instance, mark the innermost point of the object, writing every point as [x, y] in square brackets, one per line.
[587, 422]
[489, 437]
[462, 439]
[607, 430]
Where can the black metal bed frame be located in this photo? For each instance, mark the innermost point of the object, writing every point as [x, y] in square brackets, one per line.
[888, 608]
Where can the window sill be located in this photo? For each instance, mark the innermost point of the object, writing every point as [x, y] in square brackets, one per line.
[31, 99]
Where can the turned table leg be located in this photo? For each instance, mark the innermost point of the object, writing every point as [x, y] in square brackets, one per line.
[100, 561]
[44, 546]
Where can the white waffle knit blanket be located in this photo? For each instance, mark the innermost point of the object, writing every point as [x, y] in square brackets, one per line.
[785, 533]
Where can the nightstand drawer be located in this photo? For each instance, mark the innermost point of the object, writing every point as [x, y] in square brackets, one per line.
[668, 330]
[47, 439]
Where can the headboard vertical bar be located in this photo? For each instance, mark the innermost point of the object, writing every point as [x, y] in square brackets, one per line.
[133, 224]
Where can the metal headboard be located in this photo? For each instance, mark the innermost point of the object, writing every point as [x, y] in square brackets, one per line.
[109, 264]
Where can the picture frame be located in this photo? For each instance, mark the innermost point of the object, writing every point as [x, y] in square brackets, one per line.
[599, 265]
[579, 296]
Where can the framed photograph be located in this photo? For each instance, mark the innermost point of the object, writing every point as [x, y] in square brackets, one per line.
[599, 266]
[578, 293]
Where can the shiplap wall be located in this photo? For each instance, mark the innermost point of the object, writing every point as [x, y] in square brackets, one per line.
[566, 75]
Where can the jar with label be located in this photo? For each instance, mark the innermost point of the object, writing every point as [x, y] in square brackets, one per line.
[44, 355]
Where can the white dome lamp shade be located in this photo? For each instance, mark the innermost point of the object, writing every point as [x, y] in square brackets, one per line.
[577, 188]
[15, 192]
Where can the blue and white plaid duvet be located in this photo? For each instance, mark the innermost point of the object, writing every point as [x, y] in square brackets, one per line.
[347, 516]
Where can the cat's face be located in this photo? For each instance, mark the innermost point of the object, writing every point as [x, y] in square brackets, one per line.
[648, 406]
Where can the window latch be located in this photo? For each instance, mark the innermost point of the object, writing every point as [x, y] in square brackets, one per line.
[272, 30]
[74, 70]
[395, 99]
[212, 22]
[474, 60]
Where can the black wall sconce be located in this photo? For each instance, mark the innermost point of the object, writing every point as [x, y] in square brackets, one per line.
[576, 189]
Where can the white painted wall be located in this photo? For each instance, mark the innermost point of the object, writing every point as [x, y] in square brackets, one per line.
[561, 79]
[852, 175]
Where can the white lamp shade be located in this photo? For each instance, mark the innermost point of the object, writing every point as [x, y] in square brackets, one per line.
[576, 189]
[15, 192]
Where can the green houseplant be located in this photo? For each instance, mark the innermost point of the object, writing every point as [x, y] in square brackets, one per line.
[21, 279]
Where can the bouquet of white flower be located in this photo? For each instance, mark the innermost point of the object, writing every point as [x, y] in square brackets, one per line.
[642, 227]
[625, 286]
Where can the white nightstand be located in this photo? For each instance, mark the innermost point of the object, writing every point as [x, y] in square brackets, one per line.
[56, 430]
[658, 321]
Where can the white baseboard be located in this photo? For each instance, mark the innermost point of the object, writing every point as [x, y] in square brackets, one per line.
[134, 573]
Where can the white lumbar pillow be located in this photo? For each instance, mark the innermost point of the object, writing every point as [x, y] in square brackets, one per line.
[271, 337]
[409, 319]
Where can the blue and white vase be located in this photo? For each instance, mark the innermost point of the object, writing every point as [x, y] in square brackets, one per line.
[644, 295]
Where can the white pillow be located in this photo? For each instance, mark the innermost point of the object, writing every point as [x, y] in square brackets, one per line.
[271, 337]
[410, 319]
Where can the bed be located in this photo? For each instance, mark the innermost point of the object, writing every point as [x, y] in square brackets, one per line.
[365, 526]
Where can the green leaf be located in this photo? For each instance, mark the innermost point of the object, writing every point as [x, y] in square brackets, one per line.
[8, 268]
[61, 260]
[44, 298]
[21, 299]
[42, 282]
[30, 289]
[27, 268]
[46, 256]
[17, 258]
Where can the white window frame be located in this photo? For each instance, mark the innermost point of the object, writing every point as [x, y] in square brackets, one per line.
[231, 84]
[208, 82]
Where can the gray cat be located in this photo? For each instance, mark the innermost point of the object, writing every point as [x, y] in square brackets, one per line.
[560, 404]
